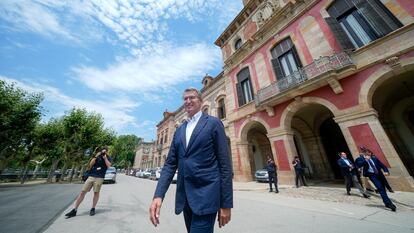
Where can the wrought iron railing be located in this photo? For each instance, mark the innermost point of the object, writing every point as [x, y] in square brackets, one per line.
[318, 67]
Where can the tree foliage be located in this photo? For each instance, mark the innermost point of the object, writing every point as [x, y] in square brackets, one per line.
[20, 111]
[124, 150]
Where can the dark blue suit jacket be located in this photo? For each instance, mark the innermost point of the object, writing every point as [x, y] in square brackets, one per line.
[345, 168]
[380, 166]
[204, 168]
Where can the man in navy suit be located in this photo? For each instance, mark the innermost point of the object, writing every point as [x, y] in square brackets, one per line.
[373, 168]
[204, 184]
[348, 170]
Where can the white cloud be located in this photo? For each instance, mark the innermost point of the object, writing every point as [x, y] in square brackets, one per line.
[115, 110]
[137, 23]
[160, 70]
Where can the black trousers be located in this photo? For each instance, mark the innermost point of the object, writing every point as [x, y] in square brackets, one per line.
[299, 175]
[273, 179]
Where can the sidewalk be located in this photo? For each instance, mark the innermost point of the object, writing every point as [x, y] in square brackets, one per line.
[403, 200]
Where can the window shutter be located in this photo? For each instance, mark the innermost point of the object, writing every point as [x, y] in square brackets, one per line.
[339, 34]
[377, 16]
[296, 56]
[240, 94]
[277, 69]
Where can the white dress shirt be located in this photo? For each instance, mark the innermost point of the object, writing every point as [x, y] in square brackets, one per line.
[191, 124]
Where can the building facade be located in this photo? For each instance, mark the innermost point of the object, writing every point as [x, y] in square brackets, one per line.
[144, 155]
[315, 77]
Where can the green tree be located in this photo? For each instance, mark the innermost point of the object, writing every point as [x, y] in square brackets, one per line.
[124, 150]
[50, 143]
[83, 131]
[19, 114]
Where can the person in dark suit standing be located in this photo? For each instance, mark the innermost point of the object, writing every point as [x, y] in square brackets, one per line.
[372, 168]
[299, 170]
[348, 170]
[204, 184]
[272, 174]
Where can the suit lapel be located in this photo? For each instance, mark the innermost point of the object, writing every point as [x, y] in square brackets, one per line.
[200, 125]
[182, 136]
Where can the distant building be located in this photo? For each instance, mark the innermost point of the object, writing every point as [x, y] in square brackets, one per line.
[144, 155]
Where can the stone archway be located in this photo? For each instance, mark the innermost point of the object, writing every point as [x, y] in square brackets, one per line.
[254, 135]
[317, 137]
[393, 99]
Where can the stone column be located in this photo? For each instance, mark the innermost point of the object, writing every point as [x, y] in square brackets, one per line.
[241, 164]
[363, 128]
[283, 149]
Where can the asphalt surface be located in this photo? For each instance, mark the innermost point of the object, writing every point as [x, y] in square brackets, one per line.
[123, 207]
[30, 209]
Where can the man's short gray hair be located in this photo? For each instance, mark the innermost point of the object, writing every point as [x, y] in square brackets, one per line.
[192, 89]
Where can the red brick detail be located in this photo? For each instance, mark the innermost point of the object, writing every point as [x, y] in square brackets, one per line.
[249, 29]
[238, 160]
[408, 5]
[363, 136]
[282, 156]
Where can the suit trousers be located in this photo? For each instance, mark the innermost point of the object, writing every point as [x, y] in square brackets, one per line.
[381, 189]
[198, 223]
[273, 179]
[352, 178]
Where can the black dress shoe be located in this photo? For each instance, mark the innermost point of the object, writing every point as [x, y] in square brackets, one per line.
[390, 190]
[365, 195]
[348, 193]
[71, 214]
[270, 191]
[392, 207]
[92, 212]
[277, 191]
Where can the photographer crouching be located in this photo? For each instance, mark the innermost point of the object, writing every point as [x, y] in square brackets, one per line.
[98, 166]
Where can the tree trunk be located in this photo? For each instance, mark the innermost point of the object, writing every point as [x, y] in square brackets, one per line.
[71, 173]
[64, 168]
[35, 171]
[23, 174]
[52, 170]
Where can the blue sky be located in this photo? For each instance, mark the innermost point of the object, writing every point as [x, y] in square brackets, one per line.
[127, 60]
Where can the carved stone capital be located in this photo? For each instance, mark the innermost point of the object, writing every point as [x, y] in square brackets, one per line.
[393, 62]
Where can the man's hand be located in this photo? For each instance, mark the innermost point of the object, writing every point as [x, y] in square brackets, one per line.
[386, 173]
[154, 211]
[224, 216]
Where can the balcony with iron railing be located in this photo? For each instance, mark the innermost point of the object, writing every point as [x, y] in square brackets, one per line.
[322, 66]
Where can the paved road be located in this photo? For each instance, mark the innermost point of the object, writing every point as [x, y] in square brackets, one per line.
[124, 206]
[30, 208]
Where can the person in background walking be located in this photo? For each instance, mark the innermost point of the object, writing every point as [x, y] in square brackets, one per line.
[272, 172]
[373, 169]
[348, 170]
[299, 170]
[382, 177]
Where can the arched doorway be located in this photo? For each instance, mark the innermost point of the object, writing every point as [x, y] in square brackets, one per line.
[394, 102]
[318, 140]
[258, 147]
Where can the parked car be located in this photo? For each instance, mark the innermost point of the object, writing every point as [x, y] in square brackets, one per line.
[146, 173]
[110, 175]
[261, 175]
[155, 174]
[138, 173]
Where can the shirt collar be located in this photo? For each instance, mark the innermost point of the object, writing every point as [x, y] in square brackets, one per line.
[195, 118]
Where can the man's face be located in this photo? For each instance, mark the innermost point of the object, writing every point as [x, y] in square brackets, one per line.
[192, 103]
[343, 155]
